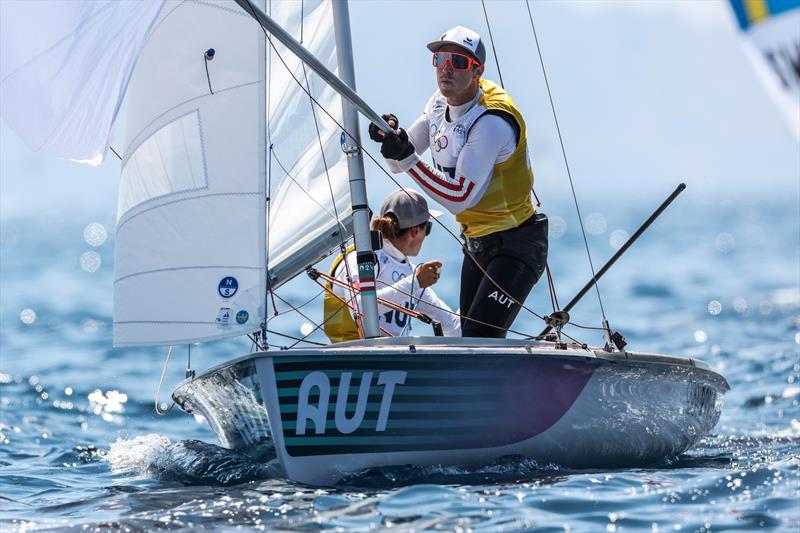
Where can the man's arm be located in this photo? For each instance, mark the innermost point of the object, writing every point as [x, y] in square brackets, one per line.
[492, 140]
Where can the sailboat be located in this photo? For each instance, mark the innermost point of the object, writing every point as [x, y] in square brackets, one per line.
[241, 168]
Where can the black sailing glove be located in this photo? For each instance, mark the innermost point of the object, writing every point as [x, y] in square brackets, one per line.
[376, 134]
[397, 146]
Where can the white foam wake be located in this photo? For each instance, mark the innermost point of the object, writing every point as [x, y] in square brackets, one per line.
[141, 455]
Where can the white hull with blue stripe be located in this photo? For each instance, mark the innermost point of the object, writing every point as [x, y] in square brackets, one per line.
[466, 402]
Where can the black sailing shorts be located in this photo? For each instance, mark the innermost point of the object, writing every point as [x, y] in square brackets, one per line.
[515, 260]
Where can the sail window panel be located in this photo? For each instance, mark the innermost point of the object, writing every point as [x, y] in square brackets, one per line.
[172, 76]
[170, 161]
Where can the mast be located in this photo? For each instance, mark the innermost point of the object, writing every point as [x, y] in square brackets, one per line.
[355, 166]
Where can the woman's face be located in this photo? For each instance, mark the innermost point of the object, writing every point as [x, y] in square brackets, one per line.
[410, 242]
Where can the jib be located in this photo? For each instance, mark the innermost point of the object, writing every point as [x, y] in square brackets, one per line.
[318, 414]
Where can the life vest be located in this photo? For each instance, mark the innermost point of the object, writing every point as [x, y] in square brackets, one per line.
[339, 324]
[507, 201]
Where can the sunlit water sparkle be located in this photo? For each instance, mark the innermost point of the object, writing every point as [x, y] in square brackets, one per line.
[81, 448]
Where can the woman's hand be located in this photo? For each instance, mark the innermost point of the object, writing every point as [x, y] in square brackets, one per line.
[428, 273]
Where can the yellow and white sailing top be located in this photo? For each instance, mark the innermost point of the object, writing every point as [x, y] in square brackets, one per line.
[481, 172]
[395, 281]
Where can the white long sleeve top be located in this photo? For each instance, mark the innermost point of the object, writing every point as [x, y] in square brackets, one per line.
[488, 140]
[396, 282]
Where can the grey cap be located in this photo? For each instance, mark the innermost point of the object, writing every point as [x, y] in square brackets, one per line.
[408, 206]
[464, 38]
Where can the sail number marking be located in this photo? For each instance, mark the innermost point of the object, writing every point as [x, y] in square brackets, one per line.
[318, 414]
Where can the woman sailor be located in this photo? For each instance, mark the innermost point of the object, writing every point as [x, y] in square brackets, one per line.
[404, 223]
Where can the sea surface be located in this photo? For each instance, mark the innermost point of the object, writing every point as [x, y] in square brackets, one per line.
[81, 448]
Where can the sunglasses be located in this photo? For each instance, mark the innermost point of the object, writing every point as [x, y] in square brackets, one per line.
[428, 226]
[457, 61]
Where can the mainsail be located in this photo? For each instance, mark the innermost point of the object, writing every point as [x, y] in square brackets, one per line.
[772, 30]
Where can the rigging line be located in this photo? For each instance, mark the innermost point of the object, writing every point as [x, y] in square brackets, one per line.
[333, 315]
[441, 224]
[208, 76]
[321, 146]
[296, 338]
[450, 311]
[585, 327]
[348, 304]
[459, 315]
[159, 411]
[255, 337]
[293, 308]
[491, 39]
[342, 242]
[268, 198]
[564, 154]
[294, 180]
[553, 296]
[269, 211]
[312, 101]
[383, 301]
[573, 339]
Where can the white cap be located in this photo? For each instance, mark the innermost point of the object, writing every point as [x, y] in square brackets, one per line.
[464, 38]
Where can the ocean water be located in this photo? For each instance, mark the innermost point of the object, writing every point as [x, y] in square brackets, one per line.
[82, 449]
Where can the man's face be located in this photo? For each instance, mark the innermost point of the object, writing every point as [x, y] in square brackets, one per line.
[455, 84]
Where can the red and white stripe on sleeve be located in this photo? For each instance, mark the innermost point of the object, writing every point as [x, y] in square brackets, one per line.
[455, 194]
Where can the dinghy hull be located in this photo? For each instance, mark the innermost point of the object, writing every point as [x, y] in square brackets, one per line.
[334, 411]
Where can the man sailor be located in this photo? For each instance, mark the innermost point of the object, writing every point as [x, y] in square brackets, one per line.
[404, 222]
[480, 173]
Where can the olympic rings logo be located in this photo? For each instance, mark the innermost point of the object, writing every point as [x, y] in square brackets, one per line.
[441, 143]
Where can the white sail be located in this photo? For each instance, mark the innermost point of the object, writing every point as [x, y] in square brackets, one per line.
[221, 145]
[208, 153]
[305, 198]
[772, 30]
[190, 241]
[64, 68]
